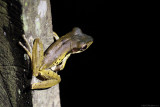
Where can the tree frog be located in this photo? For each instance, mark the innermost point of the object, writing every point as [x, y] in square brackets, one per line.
[46, 64]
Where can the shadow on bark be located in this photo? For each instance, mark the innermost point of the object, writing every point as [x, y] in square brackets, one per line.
[15, 74]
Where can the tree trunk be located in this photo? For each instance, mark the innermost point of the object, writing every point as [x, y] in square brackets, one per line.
[32, 18]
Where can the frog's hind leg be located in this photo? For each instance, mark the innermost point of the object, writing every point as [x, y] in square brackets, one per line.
[51, 77]
[37, 56]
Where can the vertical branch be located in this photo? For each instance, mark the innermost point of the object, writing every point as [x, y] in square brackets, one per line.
[36, 17]
[32, 18]
[13, 70]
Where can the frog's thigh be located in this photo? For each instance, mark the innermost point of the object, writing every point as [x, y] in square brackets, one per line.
[52, 79]
[37, 56]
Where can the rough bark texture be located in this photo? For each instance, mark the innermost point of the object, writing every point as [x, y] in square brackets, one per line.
[14, 74]
[32, 18]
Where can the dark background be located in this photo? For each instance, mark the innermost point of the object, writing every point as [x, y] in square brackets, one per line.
[121, 66]
[80, 78]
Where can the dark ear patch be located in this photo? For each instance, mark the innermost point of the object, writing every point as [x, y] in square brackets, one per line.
[77, 31]
[75, 50]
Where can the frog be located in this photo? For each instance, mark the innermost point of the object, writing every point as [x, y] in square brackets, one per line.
[46, 64]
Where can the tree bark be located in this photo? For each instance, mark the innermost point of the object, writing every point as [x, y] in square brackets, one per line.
[32, 18]
[14, 74]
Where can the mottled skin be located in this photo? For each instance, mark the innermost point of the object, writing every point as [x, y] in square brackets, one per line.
[46, 64]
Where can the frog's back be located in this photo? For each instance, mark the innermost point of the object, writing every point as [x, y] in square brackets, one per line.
[56, 52]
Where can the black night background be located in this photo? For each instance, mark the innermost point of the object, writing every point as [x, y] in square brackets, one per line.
[80, 78]
[120, 68]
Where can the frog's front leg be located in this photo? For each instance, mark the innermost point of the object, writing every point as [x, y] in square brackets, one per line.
[62, 65]
[51, 79]
[28, 50]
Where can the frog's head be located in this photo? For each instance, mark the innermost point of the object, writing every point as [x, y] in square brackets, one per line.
[80, 41]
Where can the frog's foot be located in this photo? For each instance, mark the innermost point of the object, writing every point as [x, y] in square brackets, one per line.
[51, 77]
[55, 35]
[28, 50]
